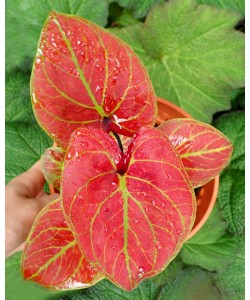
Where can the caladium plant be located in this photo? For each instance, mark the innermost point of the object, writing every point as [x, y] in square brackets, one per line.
[124, 210]
[102, 82]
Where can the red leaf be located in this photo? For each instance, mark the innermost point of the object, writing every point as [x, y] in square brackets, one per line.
[129, 226]
[51, 256]
[204, 150]
[51, 162]
[83, 75]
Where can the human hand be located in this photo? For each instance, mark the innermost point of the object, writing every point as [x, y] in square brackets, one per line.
[24, 198]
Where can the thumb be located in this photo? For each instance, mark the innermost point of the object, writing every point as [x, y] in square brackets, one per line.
[45, 198]
[17, 249]
[29, 183]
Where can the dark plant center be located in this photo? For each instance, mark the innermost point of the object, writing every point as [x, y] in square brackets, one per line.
[105, 123]
[121, 172]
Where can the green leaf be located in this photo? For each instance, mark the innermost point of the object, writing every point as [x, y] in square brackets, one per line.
[24, 20]
[139, 7]
[192, 53]
[231, 195]
[212, 230]
[234, 5]
[211, 248]
[238, 99]
[211, 256]
[17, 98]
[115, 11]
[25, 141]
[232, 200]
[24, 145]
[233, 126]
[120, 17]
[16, 287]
[168, 275]
[127, 19]
[191, 284]
[231, 282]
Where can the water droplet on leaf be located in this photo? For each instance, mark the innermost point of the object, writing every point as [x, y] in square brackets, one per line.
[106, 210]
[88, 60]
[141, 272]
[98, 88]
[113, 82]
[159, 246]
[84, 145]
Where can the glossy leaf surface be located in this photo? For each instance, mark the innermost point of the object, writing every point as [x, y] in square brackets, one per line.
[83, 75]
[51, 162]
[51, 256]
[130, 212]
[204, 150]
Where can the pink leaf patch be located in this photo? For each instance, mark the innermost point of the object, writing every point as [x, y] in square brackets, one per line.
[51, 162]
[51, 256]
[85, 76]
[204, 150]
[130, 212]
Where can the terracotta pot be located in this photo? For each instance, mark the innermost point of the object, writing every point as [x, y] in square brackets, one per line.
[208, 193]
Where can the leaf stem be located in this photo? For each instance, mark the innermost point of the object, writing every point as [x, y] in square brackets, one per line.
[118, 140]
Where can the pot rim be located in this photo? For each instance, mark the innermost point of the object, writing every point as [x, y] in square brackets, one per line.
[198, 226]
[174, 106]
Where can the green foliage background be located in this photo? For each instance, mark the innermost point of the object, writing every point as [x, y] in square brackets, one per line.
[195, 58]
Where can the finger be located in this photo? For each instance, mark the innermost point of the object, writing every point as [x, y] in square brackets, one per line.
[45, 199]
[18, 222]
[29, 183]
[17, 249]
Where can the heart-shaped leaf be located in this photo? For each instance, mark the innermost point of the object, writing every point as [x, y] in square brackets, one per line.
[204, 150]
[130, 212]
[51, 256]
[83, 75]
[51, 162]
